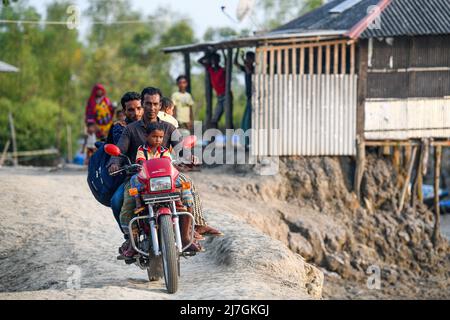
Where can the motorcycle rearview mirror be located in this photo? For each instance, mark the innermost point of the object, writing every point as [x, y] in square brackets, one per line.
[112, 150]
[189, 142]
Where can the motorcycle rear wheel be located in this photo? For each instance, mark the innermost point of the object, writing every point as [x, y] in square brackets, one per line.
[169, 253]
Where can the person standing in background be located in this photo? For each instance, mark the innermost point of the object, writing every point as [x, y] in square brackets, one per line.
[100, 110]
[183, 104]
[218, 81]
[249, 69]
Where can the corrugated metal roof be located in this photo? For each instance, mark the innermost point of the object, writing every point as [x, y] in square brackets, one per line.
[400, 18]
[412, 18]
[322, 19]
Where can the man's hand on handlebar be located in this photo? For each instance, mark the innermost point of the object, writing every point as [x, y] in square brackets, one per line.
[113, 168]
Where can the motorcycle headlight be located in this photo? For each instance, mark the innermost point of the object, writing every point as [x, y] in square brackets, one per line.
[160, 184]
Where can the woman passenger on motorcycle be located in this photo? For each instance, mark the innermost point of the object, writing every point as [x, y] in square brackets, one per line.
[152, 149]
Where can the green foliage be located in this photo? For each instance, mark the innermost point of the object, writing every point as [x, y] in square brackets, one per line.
[57, 70]
[35, 122]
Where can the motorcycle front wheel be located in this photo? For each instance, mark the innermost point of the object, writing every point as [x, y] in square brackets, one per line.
[154, 269]
[169, 253]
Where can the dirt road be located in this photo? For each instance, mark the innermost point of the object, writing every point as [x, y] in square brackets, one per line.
[54, 238]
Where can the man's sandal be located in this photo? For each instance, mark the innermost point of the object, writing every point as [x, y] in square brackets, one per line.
[209, 231]
[194, 247]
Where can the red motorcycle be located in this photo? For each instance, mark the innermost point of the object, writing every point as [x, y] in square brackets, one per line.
[158, 242]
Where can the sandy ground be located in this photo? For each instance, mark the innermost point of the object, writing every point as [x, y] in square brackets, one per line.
[54, 236]
[52, 230]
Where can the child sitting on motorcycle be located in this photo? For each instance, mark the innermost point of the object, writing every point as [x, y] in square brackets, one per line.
[132, 204]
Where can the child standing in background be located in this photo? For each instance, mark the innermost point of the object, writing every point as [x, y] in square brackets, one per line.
[89, 141]
[167, 112]
[183, 104]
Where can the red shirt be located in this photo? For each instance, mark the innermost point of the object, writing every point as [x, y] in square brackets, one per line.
[217, 80]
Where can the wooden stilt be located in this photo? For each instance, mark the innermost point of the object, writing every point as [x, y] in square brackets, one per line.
[386, 150]
[407, 156]
[408, 178]
[437, 175]
[417, 180]
[69, 143]
[396, 158]
[360, 166]
[228, 95]
[208, 96]
[187, 69]
[5, 150]
[13, 138]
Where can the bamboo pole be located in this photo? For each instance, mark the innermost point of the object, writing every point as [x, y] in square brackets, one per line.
[13, 138]
[294, 61]
[437, 175]
[319, 60]
[416, 182]
[328, 60]
[286, 61]
[396, 158]
[360, 166]
[187, 69]
[302, 61]
[408, 178]
[69, 143]
[313, 45]
[336, 59]
[343, 58]
[228, 95]
[5, 150]
[208, 98]
[279, 62]
[408, 151]
[352, 58]
[272, 63]
[33, 153]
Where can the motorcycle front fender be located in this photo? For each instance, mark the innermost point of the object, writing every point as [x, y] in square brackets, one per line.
[163, 211]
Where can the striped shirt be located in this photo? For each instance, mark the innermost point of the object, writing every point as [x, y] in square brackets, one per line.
[159, 152]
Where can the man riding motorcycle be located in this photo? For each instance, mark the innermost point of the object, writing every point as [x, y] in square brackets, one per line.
[134, 135]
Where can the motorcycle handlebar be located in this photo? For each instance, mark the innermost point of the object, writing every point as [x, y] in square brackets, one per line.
[133, 168]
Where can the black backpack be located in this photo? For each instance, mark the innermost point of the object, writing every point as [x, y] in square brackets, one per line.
[102, 185]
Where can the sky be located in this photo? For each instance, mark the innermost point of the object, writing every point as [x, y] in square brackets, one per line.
[203, 13]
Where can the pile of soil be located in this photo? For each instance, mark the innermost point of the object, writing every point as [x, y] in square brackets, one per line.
[309, 205]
